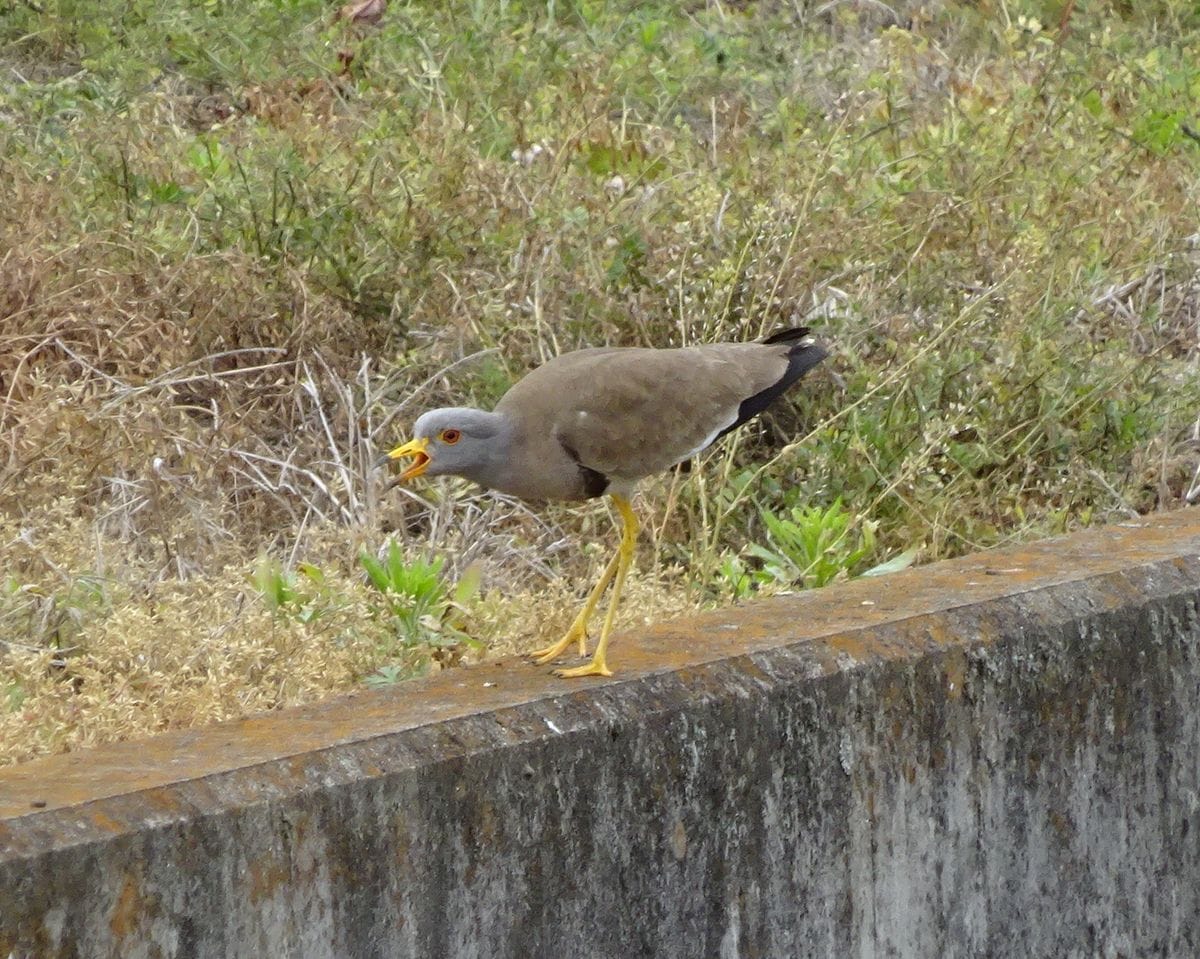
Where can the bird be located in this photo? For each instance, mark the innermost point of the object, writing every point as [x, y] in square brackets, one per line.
[594, 422]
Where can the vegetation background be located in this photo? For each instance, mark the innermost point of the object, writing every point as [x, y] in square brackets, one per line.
[243, 245]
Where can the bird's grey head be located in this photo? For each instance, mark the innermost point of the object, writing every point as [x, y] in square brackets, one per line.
[454, 441]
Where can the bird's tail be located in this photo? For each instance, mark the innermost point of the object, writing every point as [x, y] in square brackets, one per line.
[805, 353]
[791, 335]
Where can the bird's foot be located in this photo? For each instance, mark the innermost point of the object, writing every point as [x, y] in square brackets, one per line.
[597, 667]
[576, 634]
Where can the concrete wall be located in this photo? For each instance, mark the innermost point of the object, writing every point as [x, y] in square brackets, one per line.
[995, 756]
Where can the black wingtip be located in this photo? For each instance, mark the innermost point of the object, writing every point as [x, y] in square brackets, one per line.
[790, 335]
[803, 357]
[805, 353]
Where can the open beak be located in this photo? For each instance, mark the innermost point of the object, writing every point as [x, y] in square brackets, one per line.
[417, 450]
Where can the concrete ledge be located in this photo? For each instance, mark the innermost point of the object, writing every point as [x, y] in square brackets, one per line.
[998, 755]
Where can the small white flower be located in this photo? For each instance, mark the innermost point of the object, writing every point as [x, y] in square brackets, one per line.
[526, 157]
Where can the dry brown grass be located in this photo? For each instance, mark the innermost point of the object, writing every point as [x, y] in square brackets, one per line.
[230, 278]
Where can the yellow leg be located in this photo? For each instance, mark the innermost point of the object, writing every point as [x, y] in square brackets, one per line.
[629, 533]
[578, 630]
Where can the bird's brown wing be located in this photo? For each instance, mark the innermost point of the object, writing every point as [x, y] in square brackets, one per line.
[634, 412]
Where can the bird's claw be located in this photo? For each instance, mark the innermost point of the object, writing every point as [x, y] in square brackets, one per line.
[591, 669]
[548, 654]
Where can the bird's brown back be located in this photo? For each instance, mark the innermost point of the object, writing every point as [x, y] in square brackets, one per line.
[628, 412]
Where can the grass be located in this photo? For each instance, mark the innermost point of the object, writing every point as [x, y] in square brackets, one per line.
[242, 246]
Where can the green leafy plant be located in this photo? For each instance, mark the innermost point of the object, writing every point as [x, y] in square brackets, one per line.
[813, 546]
[735, 573]
[84, 599]
[387, 676]
[424, 611]
[303, 595]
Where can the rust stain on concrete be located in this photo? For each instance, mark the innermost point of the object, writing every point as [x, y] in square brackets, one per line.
[128, 911]
[266, 876]
[956, 674]
[104, 821]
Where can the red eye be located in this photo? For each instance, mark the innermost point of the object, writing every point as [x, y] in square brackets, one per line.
[450, 437]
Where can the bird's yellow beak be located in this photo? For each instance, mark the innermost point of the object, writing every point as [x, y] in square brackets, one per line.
[417, 450]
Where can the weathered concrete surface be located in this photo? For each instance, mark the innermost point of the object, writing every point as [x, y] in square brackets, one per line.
[995, 756]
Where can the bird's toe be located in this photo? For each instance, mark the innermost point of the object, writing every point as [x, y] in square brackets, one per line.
[591, 669]
[548, 654]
